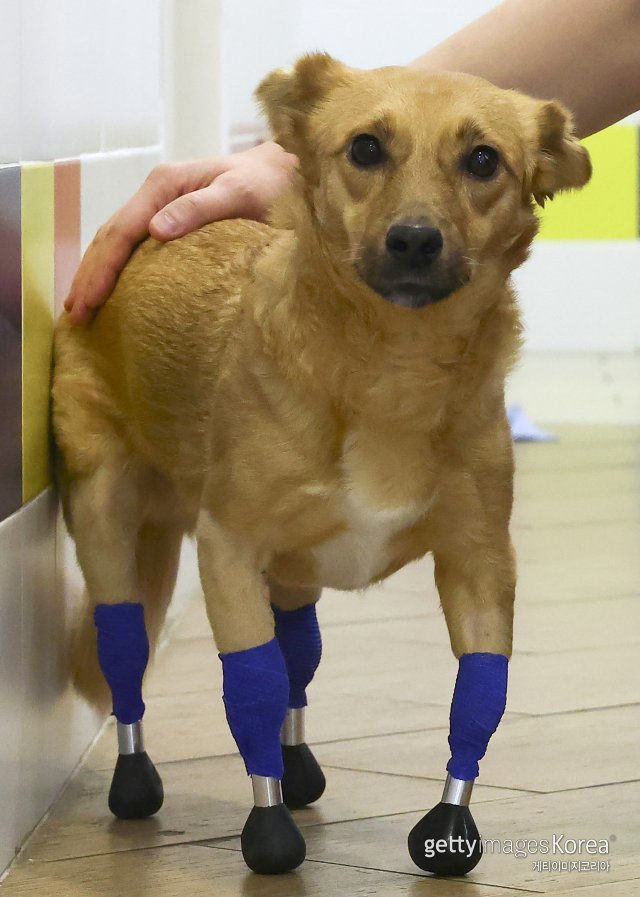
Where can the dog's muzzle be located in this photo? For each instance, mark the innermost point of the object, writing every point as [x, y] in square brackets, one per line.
[413, 269]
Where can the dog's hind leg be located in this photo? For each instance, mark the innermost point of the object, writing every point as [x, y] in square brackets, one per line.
[298, 635]
[255, 687]
[124, 564]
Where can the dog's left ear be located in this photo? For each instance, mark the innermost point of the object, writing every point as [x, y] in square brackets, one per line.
[561, 162]
[288, 96]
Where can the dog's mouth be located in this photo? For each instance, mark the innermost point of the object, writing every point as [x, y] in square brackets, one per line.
[428, 288]
[416, 295]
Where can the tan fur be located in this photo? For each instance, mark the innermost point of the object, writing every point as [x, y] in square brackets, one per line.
[245, 382]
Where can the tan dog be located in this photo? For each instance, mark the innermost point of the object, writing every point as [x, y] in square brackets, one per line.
[321, 399]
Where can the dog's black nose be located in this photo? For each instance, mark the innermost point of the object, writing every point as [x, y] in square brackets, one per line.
[414, 245]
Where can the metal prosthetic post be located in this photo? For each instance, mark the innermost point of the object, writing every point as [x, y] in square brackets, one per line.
[446, 841]
[256, 688]
[299, 638]
[123, 652]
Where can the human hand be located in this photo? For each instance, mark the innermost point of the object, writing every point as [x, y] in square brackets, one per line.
[175, 199]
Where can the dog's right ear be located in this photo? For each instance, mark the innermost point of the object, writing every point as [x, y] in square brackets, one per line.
[287, 96]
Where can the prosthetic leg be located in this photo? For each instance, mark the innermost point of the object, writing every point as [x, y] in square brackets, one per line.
[255, 687]
[256, 691]
[298, 635]
[123, 652]
[446, 840]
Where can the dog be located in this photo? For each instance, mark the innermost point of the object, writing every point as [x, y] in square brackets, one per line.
[319, 399]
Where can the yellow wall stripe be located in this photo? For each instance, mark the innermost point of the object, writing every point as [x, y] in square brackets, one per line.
[37, 323]
[607, 208]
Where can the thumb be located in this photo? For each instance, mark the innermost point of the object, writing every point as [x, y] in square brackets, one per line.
[221, 199]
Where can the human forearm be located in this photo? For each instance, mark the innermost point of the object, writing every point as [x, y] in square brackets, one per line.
[583, 52]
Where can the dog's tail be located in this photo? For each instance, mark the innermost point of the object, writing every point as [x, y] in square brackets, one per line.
[157, 558]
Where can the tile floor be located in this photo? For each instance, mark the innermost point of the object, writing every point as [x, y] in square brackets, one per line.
[565, 760]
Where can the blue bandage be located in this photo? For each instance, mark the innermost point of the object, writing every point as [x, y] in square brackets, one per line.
[256, 687]
[299, 638]
[123, 653]
[478, 703]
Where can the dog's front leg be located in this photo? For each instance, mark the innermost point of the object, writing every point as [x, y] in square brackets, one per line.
[475, 575]
[255, 687]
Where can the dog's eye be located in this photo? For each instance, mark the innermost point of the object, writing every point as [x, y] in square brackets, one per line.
[482, 161]
[365, 150]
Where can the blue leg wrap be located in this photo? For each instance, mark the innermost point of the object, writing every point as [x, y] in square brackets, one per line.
[123, 653]
[478, 703]
[256, 687]
[299, 638]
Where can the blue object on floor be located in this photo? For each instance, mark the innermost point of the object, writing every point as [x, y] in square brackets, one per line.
[523, 429]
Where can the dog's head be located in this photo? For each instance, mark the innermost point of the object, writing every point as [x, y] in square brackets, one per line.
[421, 182]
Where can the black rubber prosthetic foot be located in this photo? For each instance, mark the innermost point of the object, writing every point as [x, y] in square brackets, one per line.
[303, 781]
[454, 828]
[136, 788]
[271, 841]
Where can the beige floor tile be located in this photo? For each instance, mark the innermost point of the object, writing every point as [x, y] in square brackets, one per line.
[607, 544]
[211, 798]
[383, 641]
[428, 679]
[549, 628]
[176, 727]
[553, 683]
[599, 433]
[339, 608]
[596, 813]
[575, 579]
[554, 457]
[190, 665]
[576, 680]
[201, 796]
[416, 577]
[554, 512]
[196, 871]
[380, 602]
[629, 888]
[570, 483]
[193, 623]
[543, 754]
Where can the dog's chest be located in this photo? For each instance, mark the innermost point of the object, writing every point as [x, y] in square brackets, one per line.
[362, 549]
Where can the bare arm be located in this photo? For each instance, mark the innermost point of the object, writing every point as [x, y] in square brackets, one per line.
[583, 52]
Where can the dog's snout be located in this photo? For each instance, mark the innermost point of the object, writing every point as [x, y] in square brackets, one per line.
[415, 245]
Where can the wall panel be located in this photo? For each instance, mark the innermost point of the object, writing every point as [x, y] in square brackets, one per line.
[37, 323]
[10, 343]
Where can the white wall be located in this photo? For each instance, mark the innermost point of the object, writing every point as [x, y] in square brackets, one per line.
[256, 37]
[192, 78]
[78, 76]
[580, 296]
[371, 34]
